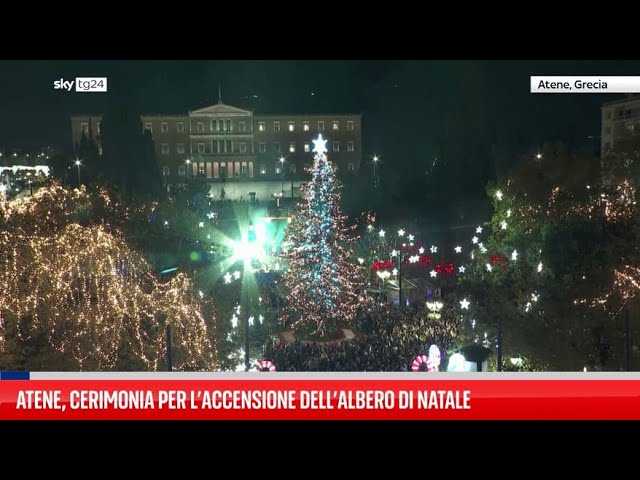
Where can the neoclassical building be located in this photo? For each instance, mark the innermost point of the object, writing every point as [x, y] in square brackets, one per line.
[222, 142]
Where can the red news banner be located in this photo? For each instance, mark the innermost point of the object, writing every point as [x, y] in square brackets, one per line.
[276, 397]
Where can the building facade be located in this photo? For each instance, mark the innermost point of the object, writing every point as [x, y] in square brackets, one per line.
[222, 142]
[618, 118]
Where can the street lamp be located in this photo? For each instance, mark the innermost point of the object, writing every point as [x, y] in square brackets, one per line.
[188, 162]
[78, 163]
[282, 172]
[376, 159]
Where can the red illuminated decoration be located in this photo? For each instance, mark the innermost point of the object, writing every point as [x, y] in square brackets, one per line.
[422, 363]
[499, 260]
[381, 265]
[266, 366]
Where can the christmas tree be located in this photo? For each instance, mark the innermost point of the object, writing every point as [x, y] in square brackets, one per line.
[322, 283]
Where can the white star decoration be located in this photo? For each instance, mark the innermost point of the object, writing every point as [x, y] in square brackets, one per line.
[381, 233]
[319, 145]
[401, 233]
[236, 274]
[414, 259]
[474, 240]
[421, 250]
[458, 249]
[514, 255]
[503, 225]
[227, 278]
[461, 269]
[201, 225]
[411, 237]
[479, 230]
[434, 249]
[499, 195]
[211, 215]
[433, 273]
[488, 267]
[394, 252]
[251, 319]
[464, 304]
[534, 297]
[540, 267]
[394, 272]
[483, 249]
[509, 213]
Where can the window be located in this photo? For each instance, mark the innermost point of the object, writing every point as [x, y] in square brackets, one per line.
[181, 170]
[336, 125]
[99, 123]
[243, 169]
[292, 168]
[164, 127]
[292, 147]
[180, 148]
[351, 167]
[350, 125]
[336, 146]
[243, 147]
[180, 127]
[242, 127]
[292, 126]
[213, 125]
[350, 147]
[262, 147]
[276, 126]
[165, 171]
[164, 147]
[261, 126]
[306, 147]
[305, 126]
[321, 126]
[218, 146]
[263, 169]
[276, 147]
[229, 126]
[201, 148]
[277, 169]
[631, 127]
[219, 125]
[84, 128]
[200, 127]
[148, 126]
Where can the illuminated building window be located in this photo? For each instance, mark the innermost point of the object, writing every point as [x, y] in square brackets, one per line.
[305, 126]
[336, 125]
[307, 148]
[292, 126]
[261, 126]
[292, 147]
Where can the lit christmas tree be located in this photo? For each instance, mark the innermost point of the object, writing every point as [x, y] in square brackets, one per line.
[322, 283]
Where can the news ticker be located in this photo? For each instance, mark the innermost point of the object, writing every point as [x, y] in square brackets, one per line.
[318, 396]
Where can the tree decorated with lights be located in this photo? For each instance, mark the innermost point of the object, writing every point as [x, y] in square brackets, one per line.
[322, 282]
[75, 296]
[559, 248]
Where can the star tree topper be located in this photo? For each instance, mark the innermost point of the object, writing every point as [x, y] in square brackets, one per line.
[319, 145]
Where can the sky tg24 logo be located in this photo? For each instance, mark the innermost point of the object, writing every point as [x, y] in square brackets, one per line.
[82, 84]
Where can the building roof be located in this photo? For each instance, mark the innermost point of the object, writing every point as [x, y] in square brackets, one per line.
[219, 108]
[629, 98]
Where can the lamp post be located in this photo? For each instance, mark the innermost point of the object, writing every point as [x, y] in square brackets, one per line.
[376, 159]
[78, 163]
[282, 173]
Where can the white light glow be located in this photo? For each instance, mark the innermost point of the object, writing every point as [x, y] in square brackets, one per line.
[489, 268]
[319, 145]
[539, 267]
[499, 195]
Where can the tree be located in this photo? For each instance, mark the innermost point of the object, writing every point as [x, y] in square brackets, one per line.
[128, 160]
[558, 238]
[322, 283]
[75, 296]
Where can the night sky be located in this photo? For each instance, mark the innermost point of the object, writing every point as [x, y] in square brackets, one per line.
[413, 111]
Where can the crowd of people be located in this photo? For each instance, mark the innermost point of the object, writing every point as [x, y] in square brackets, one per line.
[387, 339]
